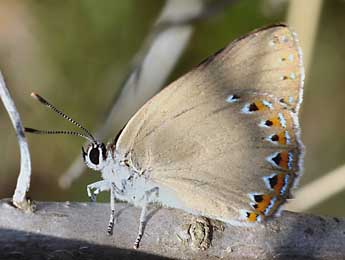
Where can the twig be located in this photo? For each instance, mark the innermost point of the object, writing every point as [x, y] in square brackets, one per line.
[152, 66]
[78, 231]
[208, 11]
[23, 181]
[306, 28]
[319, 190]
[310, 195]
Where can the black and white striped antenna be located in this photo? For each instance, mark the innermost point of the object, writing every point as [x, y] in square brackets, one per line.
[87, 134]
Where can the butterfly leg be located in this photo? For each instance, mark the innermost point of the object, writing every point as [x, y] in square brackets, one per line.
[98, 187]
[112, 209]
[144, 215]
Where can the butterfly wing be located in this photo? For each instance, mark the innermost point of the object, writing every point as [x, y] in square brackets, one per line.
[225, 137]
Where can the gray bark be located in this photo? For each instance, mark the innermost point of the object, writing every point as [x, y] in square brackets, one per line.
[78, 231]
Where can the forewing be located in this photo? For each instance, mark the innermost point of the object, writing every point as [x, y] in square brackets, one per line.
[225, 137]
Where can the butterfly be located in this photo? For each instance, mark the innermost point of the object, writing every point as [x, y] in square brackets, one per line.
[222, 141]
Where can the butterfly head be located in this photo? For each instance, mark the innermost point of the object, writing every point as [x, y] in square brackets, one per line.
[95, 155]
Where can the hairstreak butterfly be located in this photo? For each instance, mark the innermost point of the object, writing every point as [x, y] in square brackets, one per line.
[223, 141]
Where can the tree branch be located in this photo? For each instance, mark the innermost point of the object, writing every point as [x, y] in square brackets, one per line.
[78, 231]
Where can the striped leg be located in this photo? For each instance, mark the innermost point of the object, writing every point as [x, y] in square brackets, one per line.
[112, 208]
[143, 215]
[142, 223]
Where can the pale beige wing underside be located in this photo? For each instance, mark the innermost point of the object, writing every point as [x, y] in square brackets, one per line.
[192, 139]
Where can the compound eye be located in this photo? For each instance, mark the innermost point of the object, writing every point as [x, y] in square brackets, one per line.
[94, 155]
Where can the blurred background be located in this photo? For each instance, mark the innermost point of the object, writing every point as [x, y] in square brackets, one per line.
[77, 54]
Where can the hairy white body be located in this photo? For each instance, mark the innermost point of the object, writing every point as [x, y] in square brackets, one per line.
[128, 184]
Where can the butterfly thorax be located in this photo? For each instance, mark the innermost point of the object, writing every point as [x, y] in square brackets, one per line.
[129, 184]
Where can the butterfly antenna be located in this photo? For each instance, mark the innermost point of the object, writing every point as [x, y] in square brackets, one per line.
[56, 132]
[88, 135]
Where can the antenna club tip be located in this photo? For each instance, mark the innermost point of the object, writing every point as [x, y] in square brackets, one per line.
[38, 97]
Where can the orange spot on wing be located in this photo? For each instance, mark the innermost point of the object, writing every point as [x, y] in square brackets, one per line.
[282, 138]
[280, 183]
[275, 121]
[260, 105]
[280, 120]
[252, 217]
[284, 162]
[264, 202]
[268, 205]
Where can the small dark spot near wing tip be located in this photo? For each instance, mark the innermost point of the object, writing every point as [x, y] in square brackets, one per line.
[277, 159]
[275, 138]
[273, 181]
[268, 123]
[253, 107]
[258, 198]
